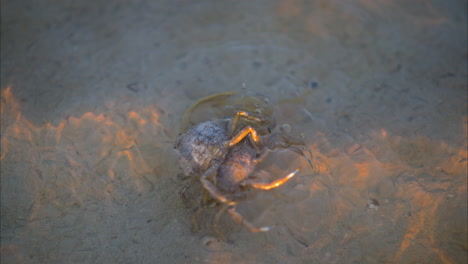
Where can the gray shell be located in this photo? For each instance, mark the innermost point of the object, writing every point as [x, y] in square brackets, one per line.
[201, 147]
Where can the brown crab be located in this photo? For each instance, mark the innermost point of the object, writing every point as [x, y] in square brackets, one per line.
[224, 153]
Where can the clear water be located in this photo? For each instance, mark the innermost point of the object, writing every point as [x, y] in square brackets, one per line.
[93, 94]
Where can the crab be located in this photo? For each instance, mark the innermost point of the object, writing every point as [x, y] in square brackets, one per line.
[224, 154]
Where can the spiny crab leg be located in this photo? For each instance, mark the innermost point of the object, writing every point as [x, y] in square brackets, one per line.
[241, 220]
[274, 184]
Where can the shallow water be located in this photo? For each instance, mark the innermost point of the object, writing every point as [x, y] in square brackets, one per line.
[93, 95]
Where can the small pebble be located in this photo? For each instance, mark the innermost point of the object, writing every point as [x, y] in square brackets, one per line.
[373, 204]
[285, 128]
[211, 244]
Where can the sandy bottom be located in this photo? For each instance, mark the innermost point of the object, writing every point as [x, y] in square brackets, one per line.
[93, 93]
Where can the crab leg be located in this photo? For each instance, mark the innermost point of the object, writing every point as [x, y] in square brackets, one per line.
[216, 221]
[275, 141]
[244, 114]
[242, 134]
[274, 184]
[214, 97]
[300, 152]
[211, 188]
[238, 218]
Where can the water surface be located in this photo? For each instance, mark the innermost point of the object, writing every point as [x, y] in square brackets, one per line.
[93, 95]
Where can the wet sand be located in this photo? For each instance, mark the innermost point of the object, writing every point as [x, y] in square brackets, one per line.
[93, 93]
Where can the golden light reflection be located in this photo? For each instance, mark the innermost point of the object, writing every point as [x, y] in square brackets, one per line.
[416, 181]
[384, 133]
[413, 180]
[422, 222]
[94, 156]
